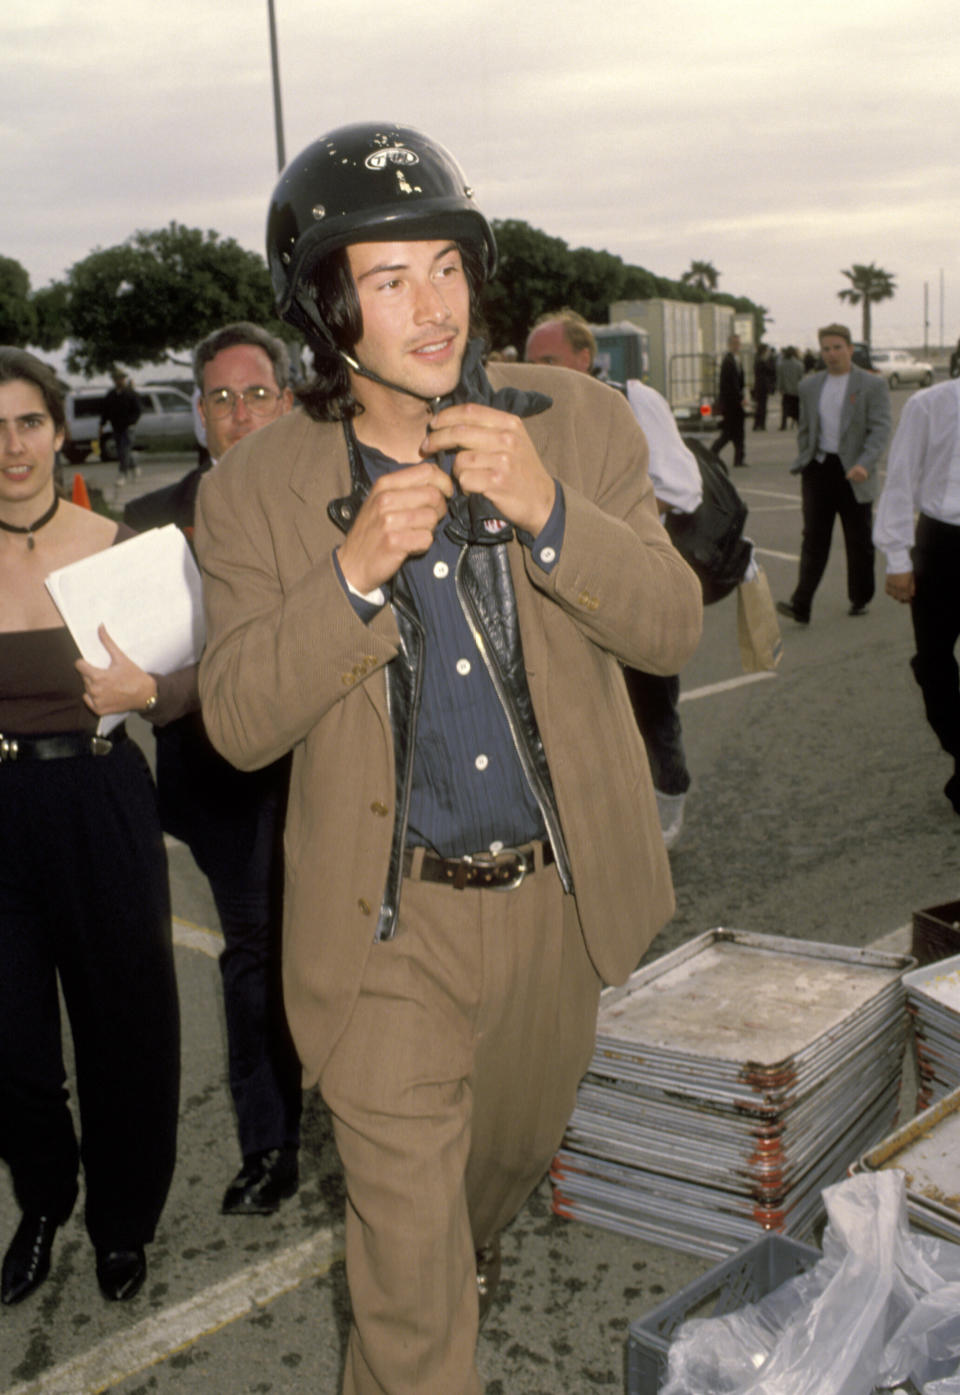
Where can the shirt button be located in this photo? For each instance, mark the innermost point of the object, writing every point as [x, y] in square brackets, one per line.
[463, 667]
[440, 570]
[548, 554]
[482, 762]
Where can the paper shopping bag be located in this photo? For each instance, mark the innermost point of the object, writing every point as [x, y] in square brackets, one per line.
[758, 630]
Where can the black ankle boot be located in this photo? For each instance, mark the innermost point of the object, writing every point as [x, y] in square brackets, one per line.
[27, 1262]
[120, 1273]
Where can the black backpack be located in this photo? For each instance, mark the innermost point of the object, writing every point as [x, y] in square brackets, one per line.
[711, 539]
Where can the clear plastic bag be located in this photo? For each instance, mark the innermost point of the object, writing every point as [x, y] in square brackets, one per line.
[880, 1308]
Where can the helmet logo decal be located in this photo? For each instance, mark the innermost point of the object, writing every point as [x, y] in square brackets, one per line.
[318, 211]
[396, 155]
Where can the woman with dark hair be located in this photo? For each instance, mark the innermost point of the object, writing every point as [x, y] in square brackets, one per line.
[84, 895]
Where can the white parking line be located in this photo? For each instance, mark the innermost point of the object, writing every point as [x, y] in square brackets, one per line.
[770, 494]
[725, 686]
[190, 936]
[783, 556]
[159, 1337]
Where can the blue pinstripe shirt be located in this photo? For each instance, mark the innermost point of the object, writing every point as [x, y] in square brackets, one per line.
[469, 792]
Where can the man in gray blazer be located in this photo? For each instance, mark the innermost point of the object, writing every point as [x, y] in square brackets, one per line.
[844, 430]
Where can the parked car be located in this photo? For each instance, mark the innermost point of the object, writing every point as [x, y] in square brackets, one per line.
[900, 367]
[166, 421]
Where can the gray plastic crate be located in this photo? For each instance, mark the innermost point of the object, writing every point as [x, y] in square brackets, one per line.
[752, 1273]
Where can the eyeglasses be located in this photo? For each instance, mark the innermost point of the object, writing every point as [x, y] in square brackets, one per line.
[222, 402]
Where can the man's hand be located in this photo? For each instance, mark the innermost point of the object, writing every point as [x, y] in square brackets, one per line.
[857, 475]
[123, 687]
[396, 521]
[901, 586]
[495, 457]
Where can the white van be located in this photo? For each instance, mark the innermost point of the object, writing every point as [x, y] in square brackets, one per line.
[166, 422]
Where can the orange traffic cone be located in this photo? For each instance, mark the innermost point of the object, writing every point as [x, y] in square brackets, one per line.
[80, 495]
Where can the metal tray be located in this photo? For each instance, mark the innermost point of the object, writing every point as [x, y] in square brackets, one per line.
[732, 1080]
[927, 1150]
[693, 1012]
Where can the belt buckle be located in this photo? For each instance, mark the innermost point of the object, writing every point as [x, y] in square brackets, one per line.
[100, 746]
[9, 750]
[495, 860]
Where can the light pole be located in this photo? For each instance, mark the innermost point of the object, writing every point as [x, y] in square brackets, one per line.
[277, 105]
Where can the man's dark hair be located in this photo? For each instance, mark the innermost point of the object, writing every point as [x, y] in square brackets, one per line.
[328, 395]
[243, 332]
[841, 332]
[17, 364]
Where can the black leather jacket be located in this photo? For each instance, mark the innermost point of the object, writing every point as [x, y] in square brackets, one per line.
[485, 591]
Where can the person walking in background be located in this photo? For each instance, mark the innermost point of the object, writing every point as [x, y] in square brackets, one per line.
[121, 408]
[762, 385]
[844, 430]
[84, 896]
[232, 820]
[923, 557]
[423, 584]
[789, 377]
[730, 401]
[564, 338]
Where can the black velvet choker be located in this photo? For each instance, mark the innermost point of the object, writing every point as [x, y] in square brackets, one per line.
[32, 528]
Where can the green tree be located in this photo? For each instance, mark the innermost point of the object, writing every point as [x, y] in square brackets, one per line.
[701, 276]
[17, 315]
[158, 293]
[50, 305]
[868, 285]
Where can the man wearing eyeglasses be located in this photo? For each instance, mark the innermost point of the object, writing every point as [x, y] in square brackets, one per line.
[232, 821]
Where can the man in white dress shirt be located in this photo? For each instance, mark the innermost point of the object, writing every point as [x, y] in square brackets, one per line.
[564, 339]
[923, 557]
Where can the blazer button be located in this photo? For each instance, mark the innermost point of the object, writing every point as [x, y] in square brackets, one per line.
[380, 808]
[364, 906]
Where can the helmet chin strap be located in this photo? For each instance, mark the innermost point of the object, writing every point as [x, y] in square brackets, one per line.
[307, 305]
[375, 378]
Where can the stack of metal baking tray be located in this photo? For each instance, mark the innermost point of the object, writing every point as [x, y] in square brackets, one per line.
[732, 1080]
[933, 1001]
[927, 1150]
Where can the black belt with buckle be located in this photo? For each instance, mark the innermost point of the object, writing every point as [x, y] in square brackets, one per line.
[58, 747]
[500, 871]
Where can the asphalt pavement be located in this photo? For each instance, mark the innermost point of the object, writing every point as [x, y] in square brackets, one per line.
[816, 811]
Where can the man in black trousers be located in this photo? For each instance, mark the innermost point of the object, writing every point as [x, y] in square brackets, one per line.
[730, 399]
[232, 820]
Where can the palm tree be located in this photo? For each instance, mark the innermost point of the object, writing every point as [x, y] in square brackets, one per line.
[702, 275]
[868, 284]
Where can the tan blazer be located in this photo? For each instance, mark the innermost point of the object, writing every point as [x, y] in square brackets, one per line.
[290, 666]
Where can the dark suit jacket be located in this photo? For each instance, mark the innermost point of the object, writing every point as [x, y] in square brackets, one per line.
[204, 800]
[730, 395]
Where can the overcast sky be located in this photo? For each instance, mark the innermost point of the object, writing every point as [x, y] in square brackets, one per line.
[780, 142]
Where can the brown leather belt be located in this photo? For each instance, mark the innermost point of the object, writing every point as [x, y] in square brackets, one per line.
[501, 871]
[58, 747]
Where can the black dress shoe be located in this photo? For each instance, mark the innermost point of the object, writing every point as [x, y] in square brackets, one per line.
[858, 610]
[488, 1276]
[786, 608]
[27, 1261]
[262, 1183]
[120, 1273]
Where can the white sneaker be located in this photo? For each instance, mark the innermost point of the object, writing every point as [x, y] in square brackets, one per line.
[670, 810]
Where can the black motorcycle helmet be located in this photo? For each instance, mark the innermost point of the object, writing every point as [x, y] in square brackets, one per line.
[373, 181]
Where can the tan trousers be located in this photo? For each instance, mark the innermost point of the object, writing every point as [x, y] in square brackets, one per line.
[450, 1090]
